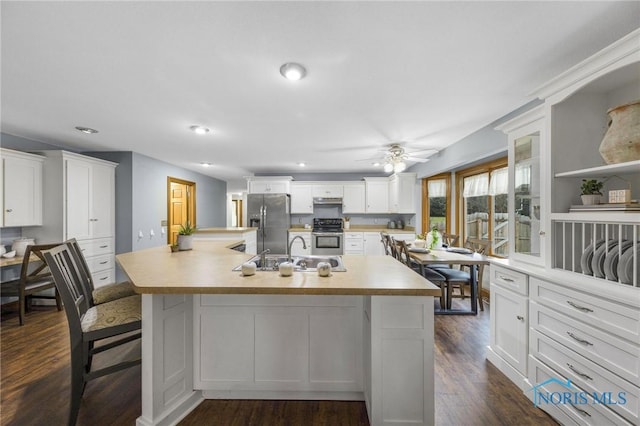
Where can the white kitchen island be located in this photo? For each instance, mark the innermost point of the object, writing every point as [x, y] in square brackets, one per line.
[208, 332]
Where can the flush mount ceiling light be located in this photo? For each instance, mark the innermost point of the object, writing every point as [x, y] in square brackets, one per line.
[199, 130]
[86, 130]
[205, 164]
[293, 71]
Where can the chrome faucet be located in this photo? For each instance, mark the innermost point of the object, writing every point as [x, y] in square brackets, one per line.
[263, 259]
[304, 245]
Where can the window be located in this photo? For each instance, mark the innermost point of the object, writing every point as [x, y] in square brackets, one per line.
[483, 200]
[437, 203]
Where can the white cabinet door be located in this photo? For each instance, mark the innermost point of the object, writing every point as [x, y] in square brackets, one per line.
[354, 198]
[401, 193]
[22, 189]
[373, 244]
[78, 196]
[301, 198]
[377, 195]
[102, 201]
[297, 249]
[509, 323]
[327, 190]
[269, 187]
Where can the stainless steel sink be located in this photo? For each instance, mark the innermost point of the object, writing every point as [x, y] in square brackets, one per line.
[300, 263]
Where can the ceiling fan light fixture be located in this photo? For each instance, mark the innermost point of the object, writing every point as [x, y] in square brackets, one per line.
[399, 167]
[388, 167]
[199, 130]
[293, 71]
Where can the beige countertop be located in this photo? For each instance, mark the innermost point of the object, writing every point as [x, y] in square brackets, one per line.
[227, 230]
[208, 269]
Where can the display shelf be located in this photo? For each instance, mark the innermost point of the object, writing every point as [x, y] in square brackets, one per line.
[604, 171]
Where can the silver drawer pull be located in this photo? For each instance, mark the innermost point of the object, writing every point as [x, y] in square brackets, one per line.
[572, 368]
[580, 410]
[103, 278]
[579, 340]
[520, 318]
[509, 280]
[104, 246]
[104, 262]
[9, 210]
[578, 307]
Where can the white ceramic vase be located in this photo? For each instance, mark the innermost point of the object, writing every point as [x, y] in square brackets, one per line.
[185, 242]
[621, 142]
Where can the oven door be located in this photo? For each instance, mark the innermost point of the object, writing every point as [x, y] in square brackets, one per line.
[327, 243]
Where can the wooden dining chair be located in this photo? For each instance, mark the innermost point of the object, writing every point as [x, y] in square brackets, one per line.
[35, 278]
[102, 294]
[430, 274]
[460, 278]
[450, 240]
[119, 320]
[386, 243]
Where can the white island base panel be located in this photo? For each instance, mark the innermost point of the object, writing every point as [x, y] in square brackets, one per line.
[374, 348]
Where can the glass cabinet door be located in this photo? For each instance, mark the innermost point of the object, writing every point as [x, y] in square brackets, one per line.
[526, 194]
[527, 211]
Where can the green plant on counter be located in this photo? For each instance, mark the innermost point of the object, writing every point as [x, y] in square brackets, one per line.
[347, 218]
[186, 229]
[591, 187]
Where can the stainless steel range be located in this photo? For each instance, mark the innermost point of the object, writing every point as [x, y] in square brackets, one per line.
[327, 237]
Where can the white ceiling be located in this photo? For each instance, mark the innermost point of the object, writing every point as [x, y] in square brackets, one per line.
[425, 73]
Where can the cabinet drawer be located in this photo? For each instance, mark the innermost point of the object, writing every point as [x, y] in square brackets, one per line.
[103, 277]
[611, 352]
[97, 247]
[353, 235]
[100, 263]
[612, 317]
[507, 278]
[586, 374]
[552, 390]
[353, 245]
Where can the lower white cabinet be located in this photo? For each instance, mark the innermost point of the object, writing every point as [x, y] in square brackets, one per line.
[373, 244]
[552, 335]
[353, 243]
[509, 324]
[99, 254]
[297, 248]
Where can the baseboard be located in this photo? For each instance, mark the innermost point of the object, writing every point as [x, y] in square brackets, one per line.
[173, 416]
[284, 395]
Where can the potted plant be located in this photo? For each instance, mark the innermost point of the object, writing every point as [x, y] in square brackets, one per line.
[185, 236]
[347, 222]
[590, 191]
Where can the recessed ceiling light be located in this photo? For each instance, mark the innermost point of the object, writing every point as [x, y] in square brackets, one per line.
[376, 164]
[293, 71]
[301, 164]
[205, 164]
[86, 130]
[200, 130]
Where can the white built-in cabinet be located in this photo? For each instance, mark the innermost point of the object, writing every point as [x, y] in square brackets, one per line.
[555, 316]
[21, 186]
[377, 194]
[327, 190]
[372, 244]
[354, 199]
[402, 188]
[269, 185]
[301, 198]
[79, 202]
[297, 248]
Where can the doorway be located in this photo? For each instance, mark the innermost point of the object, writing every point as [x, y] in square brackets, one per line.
[181, 206]
[236, 217]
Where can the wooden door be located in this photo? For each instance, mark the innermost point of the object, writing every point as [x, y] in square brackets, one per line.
[181, 206]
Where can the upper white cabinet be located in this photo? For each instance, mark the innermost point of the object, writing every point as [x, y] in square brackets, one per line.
[269, 185]
[79, 202]
[377, 194]
[401, 193]
[301, 198]
[328, 191]
[354, 198]
[21, 186]
[526, 135]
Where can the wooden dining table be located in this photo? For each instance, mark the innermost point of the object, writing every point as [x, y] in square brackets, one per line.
[448, 257]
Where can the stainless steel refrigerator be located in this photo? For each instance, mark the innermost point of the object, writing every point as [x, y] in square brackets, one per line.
[271, 214]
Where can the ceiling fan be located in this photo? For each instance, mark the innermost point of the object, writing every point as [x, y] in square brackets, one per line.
[395, 157]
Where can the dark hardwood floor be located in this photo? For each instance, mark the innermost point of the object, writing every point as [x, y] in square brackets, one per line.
[34, 386]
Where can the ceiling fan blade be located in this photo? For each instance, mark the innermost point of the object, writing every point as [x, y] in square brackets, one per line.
[423, 152]
[416, 159]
